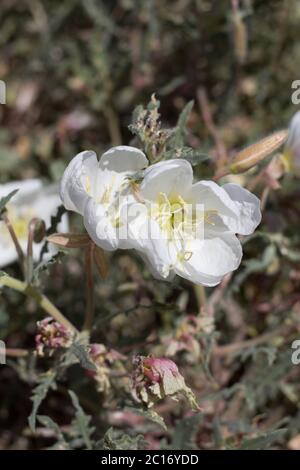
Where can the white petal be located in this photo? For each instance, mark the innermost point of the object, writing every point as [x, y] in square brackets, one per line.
[293, 141]
[249, 216]
[27, 189]
[123, 159]
[210, 259]
[144, 234]
[238, 208]
[157, 270]
[213, 197]
[167, 177]
[79, 176]
[99, 227]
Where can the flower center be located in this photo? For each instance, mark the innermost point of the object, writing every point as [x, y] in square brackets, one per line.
[179, 218]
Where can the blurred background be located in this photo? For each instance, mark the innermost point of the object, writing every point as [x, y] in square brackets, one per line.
[74, 72]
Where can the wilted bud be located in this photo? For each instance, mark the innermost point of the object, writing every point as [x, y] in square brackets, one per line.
[291, 154]
[69, 240]
[157, 378]
[256, 153]
[39, 230]
[51, 335]
[187, 336]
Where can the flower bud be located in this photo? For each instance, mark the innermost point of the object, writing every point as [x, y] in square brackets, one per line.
[157, 378]
[69, 240]
[39, 230]
[51, 335]
[255, 153]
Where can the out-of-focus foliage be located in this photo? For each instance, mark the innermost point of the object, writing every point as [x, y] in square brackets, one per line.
[74, 72]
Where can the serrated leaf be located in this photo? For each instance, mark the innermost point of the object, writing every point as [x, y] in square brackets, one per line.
[256, 265]
[263, 441]
[48, 423]
[6, 199]
[178, 137]
[45, 265]
[82, 422]
[115, 440]
[149, 414]
[46, 382]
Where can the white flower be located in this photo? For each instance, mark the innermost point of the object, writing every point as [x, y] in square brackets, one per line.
[32, 200]
[177, 227]
[292, 148]
[97, 190]
[189, 229]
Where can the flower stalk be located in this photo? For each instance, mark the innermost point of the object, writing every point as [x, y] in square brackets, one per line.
[15, 240]
[41, 299]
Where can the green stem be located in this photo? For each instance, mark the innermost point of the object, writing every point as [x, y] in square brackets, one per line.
[15, 240]
[41, 299]
[201, 297]
[29, 259]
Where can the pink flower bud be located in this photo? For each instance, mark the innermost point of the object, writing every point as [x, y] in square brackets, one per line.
[51, 335]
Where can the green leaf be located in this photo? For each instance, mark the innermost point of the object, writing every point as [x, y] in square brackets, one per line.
[82, 422]
[48, 423]
[81, 353]
[149, 414]
[256, 265]
[263, 441]
[115, 440]
[185, 433]
[46, 382]
[45, 265]
[6, 199]
[180, 131]
[195, 157]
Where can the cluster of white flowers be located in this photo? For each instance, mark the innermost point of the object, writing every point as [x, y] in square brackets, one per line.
[177, 226]
[33, 200]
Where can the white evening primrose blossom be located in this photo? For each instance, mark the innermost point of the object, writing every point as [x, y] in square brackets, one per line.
[176, 226]
[33, 200]
[291, 154]
[98, 189]
[190, 229]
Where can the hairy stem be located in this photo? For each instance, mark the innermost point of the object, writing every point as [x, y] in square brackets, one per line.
[41, 299]
[15, 241]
